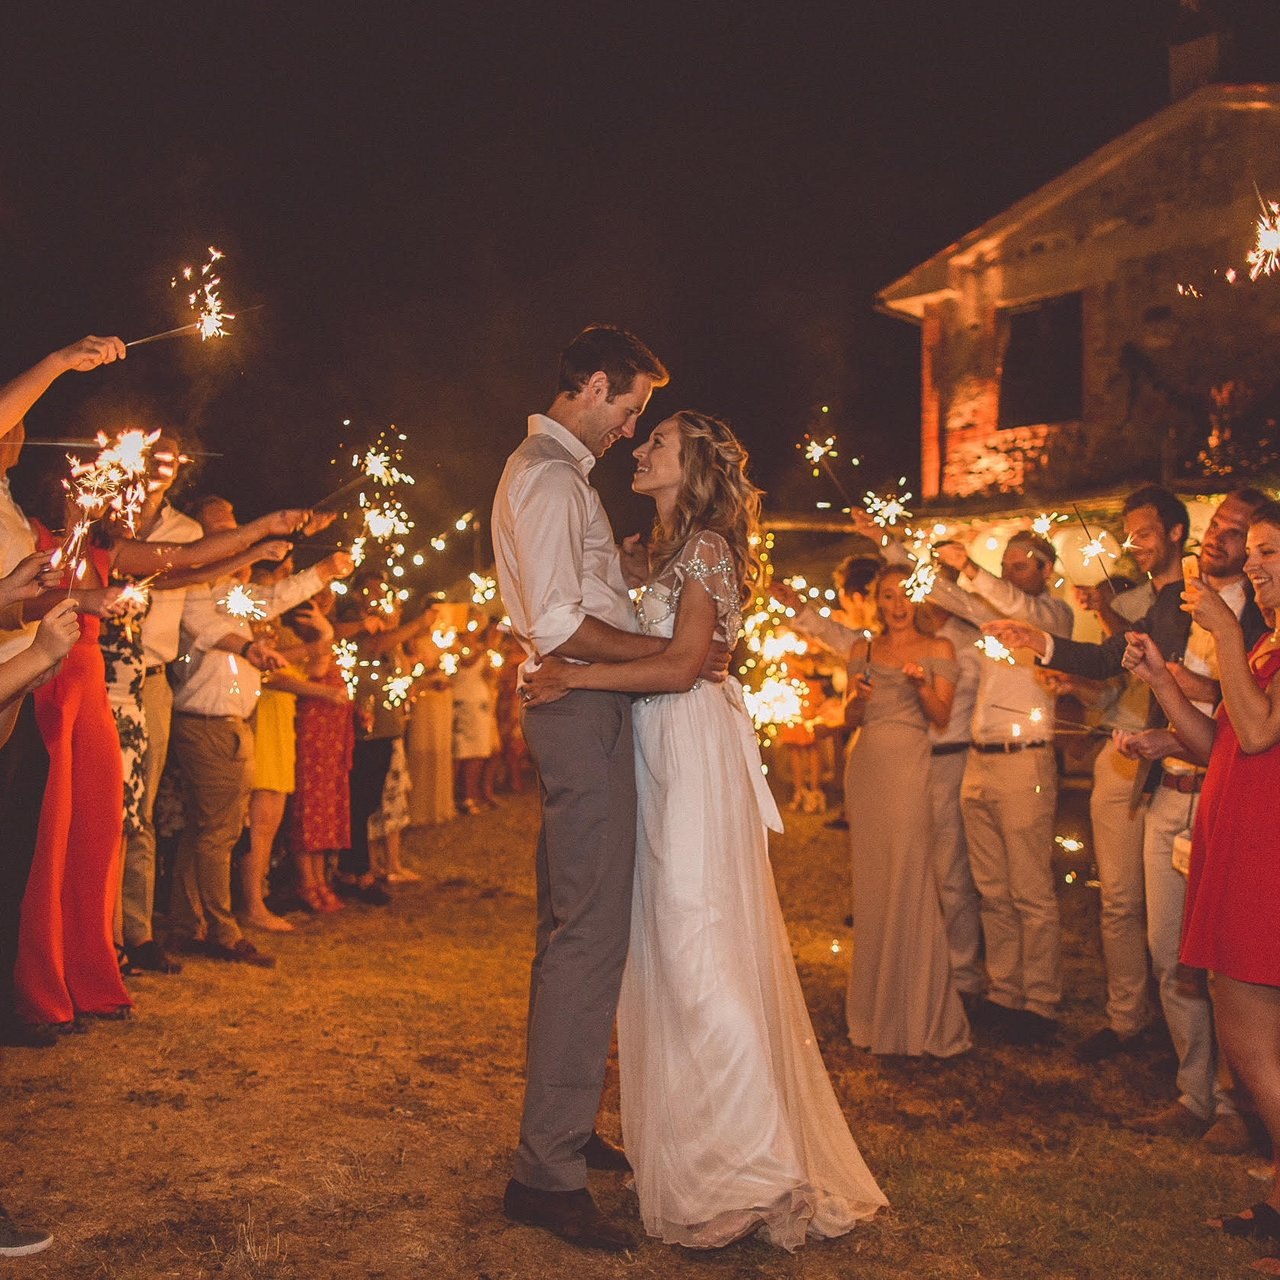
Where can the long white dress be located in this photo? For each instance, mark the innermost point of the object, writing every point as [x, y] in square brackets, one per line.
[728, 1115]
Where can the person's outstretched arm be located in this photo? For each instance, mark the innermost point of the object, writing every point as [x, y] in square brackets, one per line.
[19, 394]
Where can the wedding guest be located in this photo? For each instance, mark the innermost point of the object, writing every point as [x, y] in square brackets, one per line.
[391, 818]
[1233, 891]
[1204, 1108]
[24, 762]
[213, 744]
[948, 754]
[320, 816]
[512, 746]
[429, 739]
[474, 726]
[1010, 790]
[901, 998]
[275, 740]
[1155, 526]
[380, 722]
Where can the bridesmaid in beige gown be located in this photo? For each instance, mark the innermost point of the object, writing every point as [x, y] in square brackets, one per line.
[901, 998]
[428, 742]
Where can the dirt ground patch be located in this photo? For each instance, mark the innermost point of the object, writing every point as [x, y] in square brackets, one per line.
[352, 1113]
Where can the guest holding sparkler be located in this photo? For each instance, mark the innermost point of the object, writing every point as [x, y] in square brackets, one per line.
[901, 999]
[1233, 891]
[303, 638]
[429, 737]
[213, 744]
[369, 619]
[1010, 789]
[24, 763]
[1204, 1108]
[320, 822]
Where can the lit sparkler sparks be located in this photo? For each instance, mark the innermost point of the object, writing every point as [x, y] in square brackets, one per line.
[395, 689]
[205, 298]
[449, 663]
[240, 602]
[1043, 524]
[992, 648]
[1264, 258]
[816, 451]
[482, 589]
[887, 509]
[346, 655]
[777, 701]
[919, 583]
[385, 520]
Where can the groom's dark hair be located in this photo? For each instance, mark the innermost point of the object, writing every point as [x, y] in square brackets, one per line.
[621, 356]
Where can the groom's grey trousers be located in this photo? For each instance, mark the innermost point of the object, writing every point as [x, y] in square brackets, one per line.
[583, 751]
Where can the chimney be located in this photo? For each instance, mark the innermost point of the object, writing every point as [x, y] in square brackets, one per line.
[1199, 49]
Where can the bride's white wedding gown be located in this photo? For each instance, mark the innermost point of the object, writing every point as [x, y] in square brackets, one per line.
[728, 1115]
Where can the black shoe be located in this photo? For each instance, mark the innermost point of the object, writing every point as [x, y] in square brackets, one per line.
[17, 1243]
[121, 1013]
[1100, 1045]
[241, 952]
[16, 1034]
[1025, 1027]
[151, 957]
[571, 1215]
[188, 946]
[374, 894]
[604, 1156]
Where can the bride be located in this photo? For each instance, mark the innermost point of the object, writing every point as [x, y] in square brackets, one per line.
[728, 1116]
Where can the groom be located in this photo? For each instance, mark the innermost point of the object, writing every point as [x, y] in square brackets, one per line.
[563, 586]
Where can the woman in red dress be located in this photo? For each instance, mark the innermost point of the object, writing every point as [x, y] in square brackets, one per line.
[66, 954]
[320, 822]
[1232, 921]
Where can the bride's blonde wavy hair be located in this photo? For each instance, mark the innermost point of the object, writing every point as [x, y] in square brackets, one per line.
[716, 495]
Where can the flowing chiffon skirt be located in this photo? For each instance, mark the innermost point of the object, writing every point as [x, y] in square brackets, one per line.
[728, 1115]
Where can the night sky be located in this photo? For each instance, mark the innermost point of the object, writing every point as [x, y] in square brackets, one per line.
[427, 201]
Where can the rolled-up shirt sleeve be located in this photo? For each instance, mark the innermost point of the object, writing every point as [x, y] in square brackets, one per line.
[550, 518]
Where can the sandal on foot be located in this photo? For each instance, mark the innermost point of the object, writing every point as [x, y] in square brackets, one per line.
[1258, 1222]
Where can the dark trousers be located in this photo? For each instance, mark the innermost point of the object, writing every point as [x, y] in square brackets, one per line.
[24, 770]
[583, 749]
[369, 764]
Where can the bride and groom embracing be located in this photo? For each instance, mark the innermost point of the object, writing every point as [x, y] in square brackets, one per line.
[656, 900]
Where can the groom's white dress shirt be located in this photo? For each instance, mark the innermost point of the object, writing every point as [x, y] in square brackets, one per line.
[556, 558]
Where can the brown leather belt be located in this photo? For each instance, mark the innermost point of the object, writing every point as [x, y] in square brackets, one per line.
[1006, 748]
[1187, 783]
[949, 748]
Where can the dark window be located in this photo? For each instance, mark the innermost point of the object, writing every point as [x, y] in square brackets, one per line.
[1041, 374]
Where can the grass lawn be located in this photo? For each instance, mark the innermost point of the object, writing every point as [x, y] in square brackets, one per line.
[352, 1112]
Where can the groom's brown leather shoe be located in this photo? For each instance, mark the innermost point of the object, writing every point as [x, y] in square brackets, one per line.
[603, 1155]
[571, 1215]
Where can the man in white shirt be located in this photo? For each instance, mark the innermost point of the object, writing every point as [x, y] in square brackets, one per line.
[1010, 789]
[563, 586]
[213, 744]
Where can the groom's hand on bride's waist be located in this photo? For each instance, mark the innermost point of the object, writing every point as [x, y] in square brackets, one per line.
[716, 666]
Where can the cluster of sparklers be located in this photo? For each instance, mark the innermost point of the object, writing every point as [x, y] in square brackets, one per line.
[395, 685]
[113, 483]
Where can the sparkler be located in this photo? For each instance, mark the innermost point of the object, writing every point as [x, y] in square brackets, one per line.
[205, 300]
[1043, 524]
[818, 454]
[886, 510]
[919, 583]
[1094, 549]
[483, 589]
[345, 657]
[776, 702]
[240, 602]
[1264, 258]
[994, 649]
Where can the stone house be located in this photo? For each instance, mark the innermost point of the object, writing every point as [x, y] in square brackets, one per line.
[1105, 329]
